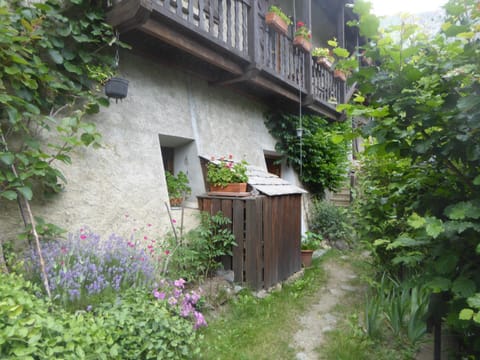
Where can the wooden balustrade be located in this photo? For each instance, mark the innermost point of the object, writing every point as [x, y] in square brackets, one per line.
[239, 27]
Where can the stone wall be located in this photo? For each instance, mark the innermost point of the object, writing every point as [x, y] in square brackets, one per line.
[122, 185]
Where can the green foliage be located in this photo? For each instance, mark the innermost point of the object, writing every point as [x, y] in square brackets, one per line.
[234, 334]
[324, 149]
[52, 53]
[199, 253]
[177, 186]
[311, 241]
[330, 221]
[279, 12]
[135, 326]
[401, 306]
[140, 327]
[420, 195]
[222, 171]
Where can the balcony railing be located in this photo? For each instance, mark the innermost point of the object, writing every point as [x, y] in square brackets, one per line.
[238, 27]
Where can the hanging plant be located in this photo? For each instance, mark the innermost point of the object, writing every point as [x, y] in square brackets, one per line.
[116, 88]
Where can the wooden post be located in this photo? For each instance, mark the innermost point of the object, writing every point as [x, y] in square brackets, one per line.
[307, 10]
[341, 43]
[253, 33]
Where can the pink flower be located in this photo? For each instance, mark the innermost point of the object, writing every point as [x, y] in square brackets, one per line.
[130, 244]
[300, 23]
[167, 252]
[230, 156]
[149, 225]
[174, 221]
[145, 238]
[150, 247]
[180, 283]
[83, 237]
[158, 295]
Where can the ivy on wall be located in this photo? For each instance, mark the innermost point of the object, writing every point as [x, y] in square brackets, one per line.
[323, 159]
[54, 56]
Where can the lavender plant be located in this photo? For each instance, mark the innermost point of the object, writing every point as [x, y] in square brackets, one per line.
[84, 268]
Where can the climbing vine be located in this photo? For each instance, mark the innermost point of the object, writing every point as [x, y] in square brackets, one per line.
[323, 160]
[54, 55]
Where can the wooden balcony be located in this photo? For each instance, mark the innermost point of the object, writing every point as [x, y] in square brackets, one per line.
[228, 43]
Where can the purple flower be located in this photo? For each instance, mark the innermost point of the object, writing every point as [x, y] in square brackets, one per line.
[199, 320]
[180, 283]
[158, 295]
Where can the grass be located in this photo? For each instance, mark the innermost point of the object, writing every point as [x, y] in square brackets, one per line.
[252, 328]
[349, 340]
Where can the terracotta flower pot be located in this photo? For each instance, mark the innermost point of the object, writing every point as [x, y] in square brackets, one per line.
[307, 258]
[322, 60]
[276, 22]
[233, 188]
[339, 74]
[301, 42]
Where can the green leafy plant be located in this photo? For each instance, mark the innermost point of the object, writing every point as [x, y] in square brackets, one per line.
[324, 149]
[280, 13]
[422, 193]
[196, 256]
[50, 53]
[311, 241]
[323, 53]
[331, 222]
[177, 186]
[224, 171]
[303, 31]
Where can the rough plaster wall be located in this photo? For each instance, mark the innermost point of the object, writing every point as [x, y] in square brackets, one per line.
[126, 176]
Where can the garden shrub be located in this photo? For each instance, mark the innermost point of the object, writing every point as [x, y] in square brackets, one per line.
[135, 326]
[331, 222]
[84, 269]
[324, 163]
[199, 253]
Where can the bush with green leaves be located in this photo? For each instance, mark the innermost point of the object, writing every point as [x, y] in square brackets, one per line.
[198, 253]
[135, 326]
[331, 222]
[323, 162]
[423, 206]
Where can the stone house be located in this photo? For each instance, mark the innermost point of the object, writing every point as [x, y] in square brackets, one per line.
[202, 74]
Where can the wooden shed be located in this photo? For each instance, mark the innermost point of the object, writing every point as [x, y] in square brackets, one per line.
[266, 223]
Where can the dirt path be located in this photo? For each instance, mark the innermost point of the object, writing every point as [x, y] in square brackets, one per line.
[320, 318]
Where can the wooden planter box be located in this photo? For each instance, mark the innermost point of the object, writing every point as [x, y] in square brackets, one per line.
[276, 22]
[302, 43]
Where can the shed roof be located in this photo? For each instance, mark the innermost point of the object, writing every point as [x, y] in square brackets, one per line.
[270, 184]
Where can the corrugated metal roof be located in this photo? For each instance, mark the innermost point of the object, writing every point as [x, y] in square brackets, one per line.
[270, 184]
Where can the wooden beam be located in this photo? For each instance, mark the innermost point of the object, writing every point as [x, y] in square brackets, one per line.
[170, 36]
[270, 85]
[248, 75]
[129, 14]
[350, 92]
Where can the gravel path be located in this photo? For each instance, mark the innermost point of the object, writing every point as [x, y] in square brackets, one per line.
[320, 318]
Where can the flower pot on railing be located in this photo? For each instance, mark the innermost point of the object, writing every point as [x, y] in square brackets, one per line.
[302, 43]
[323, 60]
[116, 88]
[340, 75]
[276, 22]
